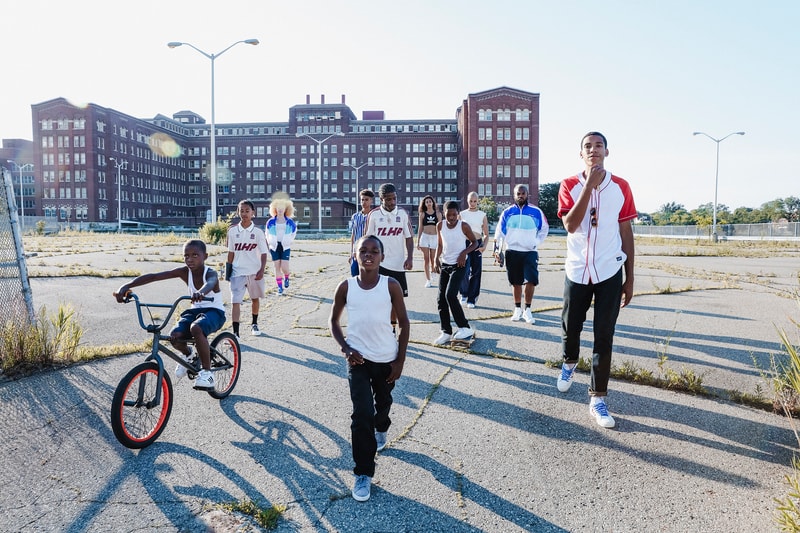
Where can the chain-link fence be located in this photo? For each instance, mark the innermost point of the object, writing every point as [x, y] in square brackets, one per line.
[774, 230]
[15, 290]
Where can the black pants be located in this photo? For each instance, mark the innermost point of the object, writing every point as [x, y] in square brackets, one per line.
[372, 400]
[471, 284]
[577, 300]
[448, 301]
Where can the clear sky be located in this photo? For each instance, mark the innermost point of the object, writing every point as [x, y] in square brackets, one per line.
[645, 73]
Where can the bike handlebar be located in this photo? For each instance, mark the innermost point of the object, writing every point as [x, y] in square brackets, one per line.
[172, 307]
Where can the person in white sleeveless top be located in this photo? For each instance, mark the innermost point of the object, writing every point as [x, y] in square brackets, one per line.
[477, 220]
[375, 357]
[202, 319]
[456, 241]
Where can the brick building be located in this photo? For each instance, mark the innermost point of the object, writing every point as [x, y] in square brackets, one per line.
[80, 152]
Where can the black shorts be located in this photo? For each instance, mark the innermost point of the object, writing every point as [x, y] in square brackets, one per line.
[522, 267]
[399, 276]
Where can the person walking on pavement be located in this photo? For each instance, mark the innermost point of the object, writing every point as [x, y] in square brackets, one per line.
[281, 230]
[429, 219]
[521, 229]
[392, 226]
[597, 209]
[455, 243]
[245, 265]
[357, 223]
[479, 223]
[375, 358]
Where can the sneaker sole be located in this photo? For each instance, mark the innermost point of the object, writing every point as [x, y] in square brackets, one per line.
[360, 498]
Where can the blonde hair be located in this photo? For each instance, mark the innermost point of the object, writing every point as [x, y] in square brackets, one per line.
[284, 204]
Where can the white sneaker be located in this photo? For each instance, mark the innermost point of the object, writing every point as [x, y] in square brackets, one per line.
[564, 381]
[180, 370]
[599, 411]
[444, 338]
[528, 316]
[204, 381]
[380, 440]
[517, 316]
[463, 333]
[470, 306]
[428, 284]
[254, 331]
[463, 299]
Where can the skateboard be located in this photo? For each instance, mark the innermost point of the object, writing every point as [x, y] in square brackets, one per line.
[462, 343]
[499, 256]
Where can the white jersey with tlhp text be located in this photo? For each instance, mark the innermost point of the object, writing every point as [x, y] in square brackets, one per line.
[247, 245]
[392, 228]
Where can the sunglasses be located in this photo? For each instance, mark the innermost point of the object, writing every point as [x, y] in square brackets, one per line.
[593, 214]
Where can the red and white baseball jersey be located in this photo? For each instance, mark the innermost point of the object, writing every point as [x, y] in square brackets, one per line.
[594, 251]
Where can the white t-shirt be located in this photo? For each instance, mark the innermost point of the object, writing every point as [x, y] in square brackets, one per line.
[392, 228]
[247, 245]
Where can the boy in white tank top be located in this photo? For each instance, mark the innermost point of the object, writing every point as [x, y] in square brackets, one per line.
[203, 318]
[450, 264]
[375, 358]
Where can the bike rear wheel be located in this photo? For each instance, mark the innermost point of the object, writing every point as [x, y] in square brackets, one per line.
[226, 363]
[136, 422]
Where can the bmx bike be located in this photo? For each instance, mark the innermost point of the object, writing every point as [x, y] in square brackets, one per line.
[143, 399]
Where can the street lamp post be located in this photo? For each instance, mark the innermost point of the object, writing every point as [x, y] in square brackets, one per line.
[21, 169]
[319, 169]
[357, 168]
[212, 177]
[714, 236]
[120, 166]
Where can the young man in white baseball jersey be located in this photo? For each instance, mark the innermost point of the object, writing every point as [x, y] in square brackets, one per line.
[247, 259]
[597, 209]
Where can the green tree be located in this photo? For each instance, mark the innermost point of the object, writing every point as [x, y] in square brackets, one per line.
[774, 210]
[663, 216]
[748, 215]
[548, 201]
[792, 207]
[488, 206]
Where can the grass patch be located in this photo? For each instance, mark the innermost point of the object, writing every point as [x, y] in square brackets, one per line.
[266, 517]
[51, 339]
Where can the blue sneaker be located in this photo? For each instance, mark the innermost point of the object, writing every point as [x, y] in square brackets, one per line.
[361, 488]
[380, 440]
[565, 379]
[280, 289]
[285, 283]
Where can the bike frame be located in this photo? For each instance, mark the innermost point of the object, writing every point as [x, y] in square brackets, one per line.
[157, 347]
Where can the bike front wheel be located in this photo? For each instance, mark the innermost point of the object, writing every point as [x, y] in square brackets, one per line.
[137, 422]
[226, 363]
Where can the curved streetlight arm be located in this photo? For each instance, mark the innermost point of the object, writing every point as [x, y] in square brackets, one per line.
[357, 168]
[175, 44]
[21, 168]
[718, 140]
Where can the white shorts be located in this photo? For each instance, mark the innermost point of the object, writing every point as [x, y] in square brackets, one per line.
[256, 288]
[426, 240]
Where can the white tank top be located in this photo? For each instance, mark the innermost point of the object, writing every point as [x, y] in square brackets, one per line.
[217, 303]
[369, 321]
[475, 221]
[453, 243]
